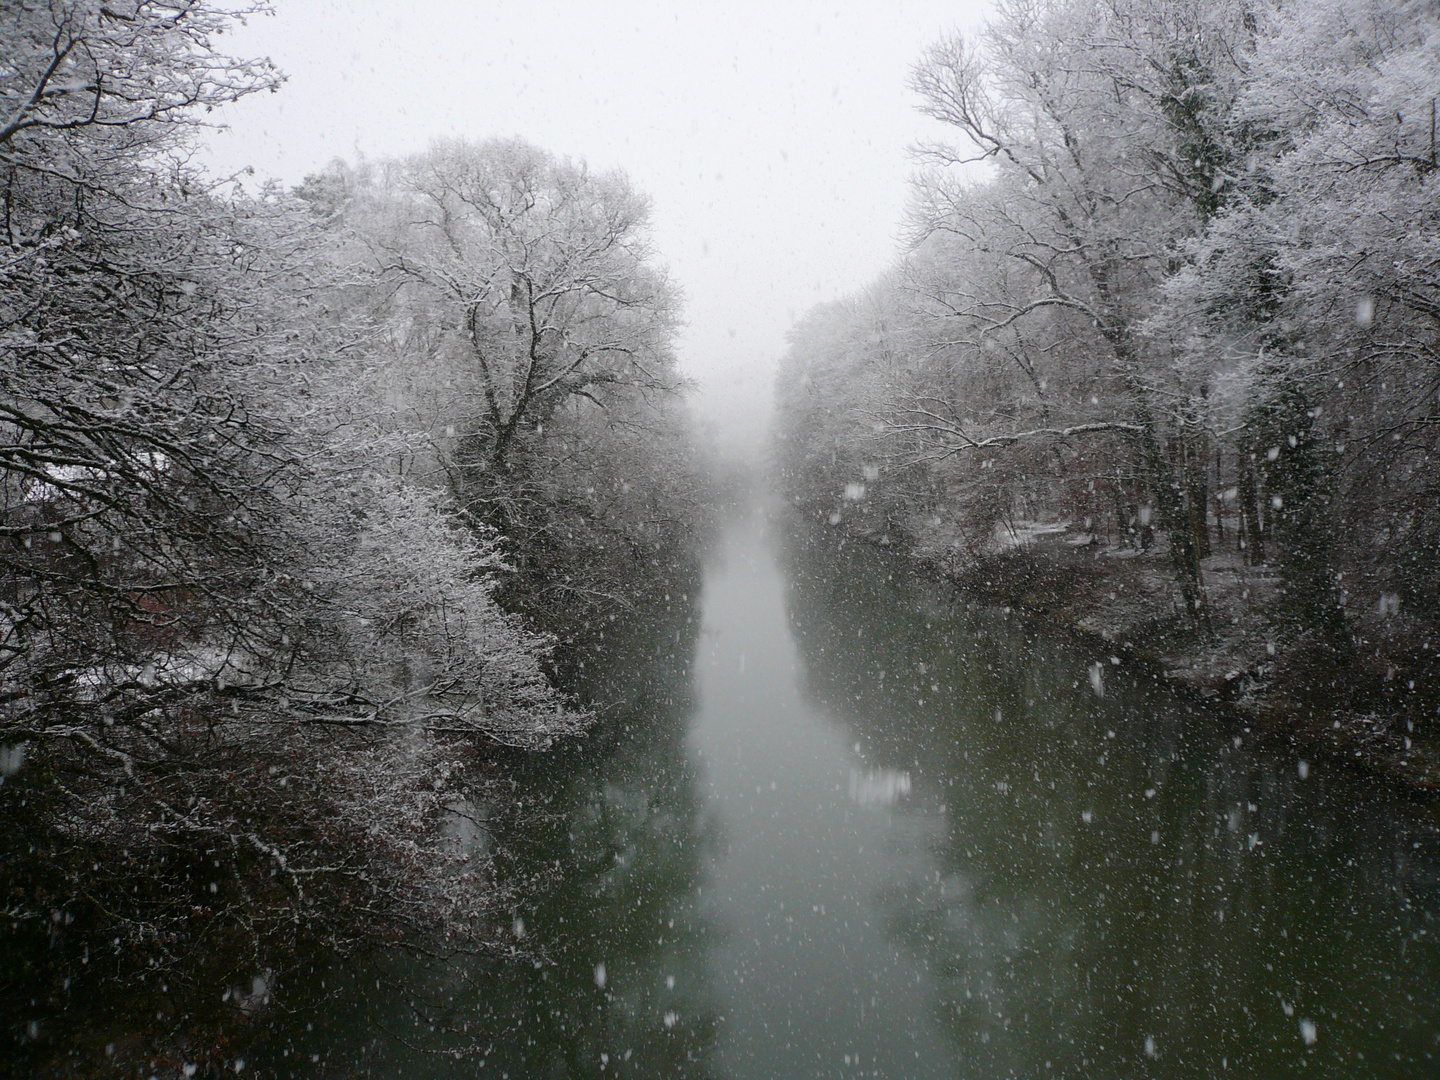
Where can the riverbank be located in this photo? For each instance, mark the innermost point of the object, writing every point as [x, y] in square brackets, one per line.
[1374, 708]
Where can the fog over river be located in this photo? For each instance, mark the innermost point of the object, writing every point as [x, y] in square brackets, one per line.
[440, 629]
[850, 825]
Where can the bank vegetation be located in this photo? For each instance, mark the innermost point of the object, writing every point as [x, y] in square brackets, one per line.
[296, 486]
[1160, 357]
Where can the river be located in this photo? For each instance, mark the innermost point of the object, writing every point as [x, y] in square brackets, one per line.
[843, 823]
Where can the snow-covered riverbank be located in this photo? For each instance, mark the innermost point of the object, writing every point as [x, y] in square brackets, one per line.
[1360, 707]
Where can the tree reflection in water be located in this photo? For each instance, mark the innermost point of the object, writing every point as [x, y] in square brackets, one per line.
[884, 832]
[617, 979]
[1122, 885]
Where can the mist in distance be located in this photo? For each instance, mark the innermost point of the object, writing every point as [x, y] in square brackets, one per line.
[772, 139]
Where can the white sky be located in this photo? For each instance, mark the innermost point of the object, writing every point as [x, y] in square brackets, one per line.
[772, 137]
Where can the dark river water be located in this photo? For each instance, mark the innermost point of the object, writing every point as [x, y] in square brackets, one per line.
[845, 824]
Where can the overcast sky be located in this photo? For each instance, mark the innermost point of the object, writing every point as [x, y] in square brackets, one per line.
[772, 137]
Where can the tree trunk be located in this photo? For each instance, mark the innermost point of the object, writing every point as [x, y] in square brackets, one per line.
[1174, 518]
[1197, 495]
[1251, 537]
[1167, 486]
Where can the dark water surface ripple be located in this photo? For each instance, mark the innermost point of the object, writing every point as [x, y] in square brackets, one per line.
[849, 825]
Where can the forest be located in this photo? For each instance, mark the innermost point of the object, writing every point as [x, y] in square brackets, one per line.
[1160, 359]
[319, 497]
[302, 491]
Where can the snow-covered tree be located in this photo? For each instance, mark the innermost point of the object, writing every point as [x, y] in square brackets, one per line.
[245, 667]
[523, 295]
[542, 274]
[1317, 285]
[1105, 127]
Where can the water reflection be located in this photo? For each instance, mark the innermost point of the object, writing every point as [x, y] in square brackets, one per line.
[878, 787]
[607, 867]
[1121, 886]
[845, 825]
[809, 981]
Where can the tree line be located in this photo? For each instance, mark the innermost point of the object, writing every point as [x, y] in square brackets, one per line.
[278, 471]
[1174, 277]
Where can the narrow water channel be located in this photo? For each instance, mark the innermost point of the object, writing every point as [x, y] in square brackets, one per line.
[850, 825]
